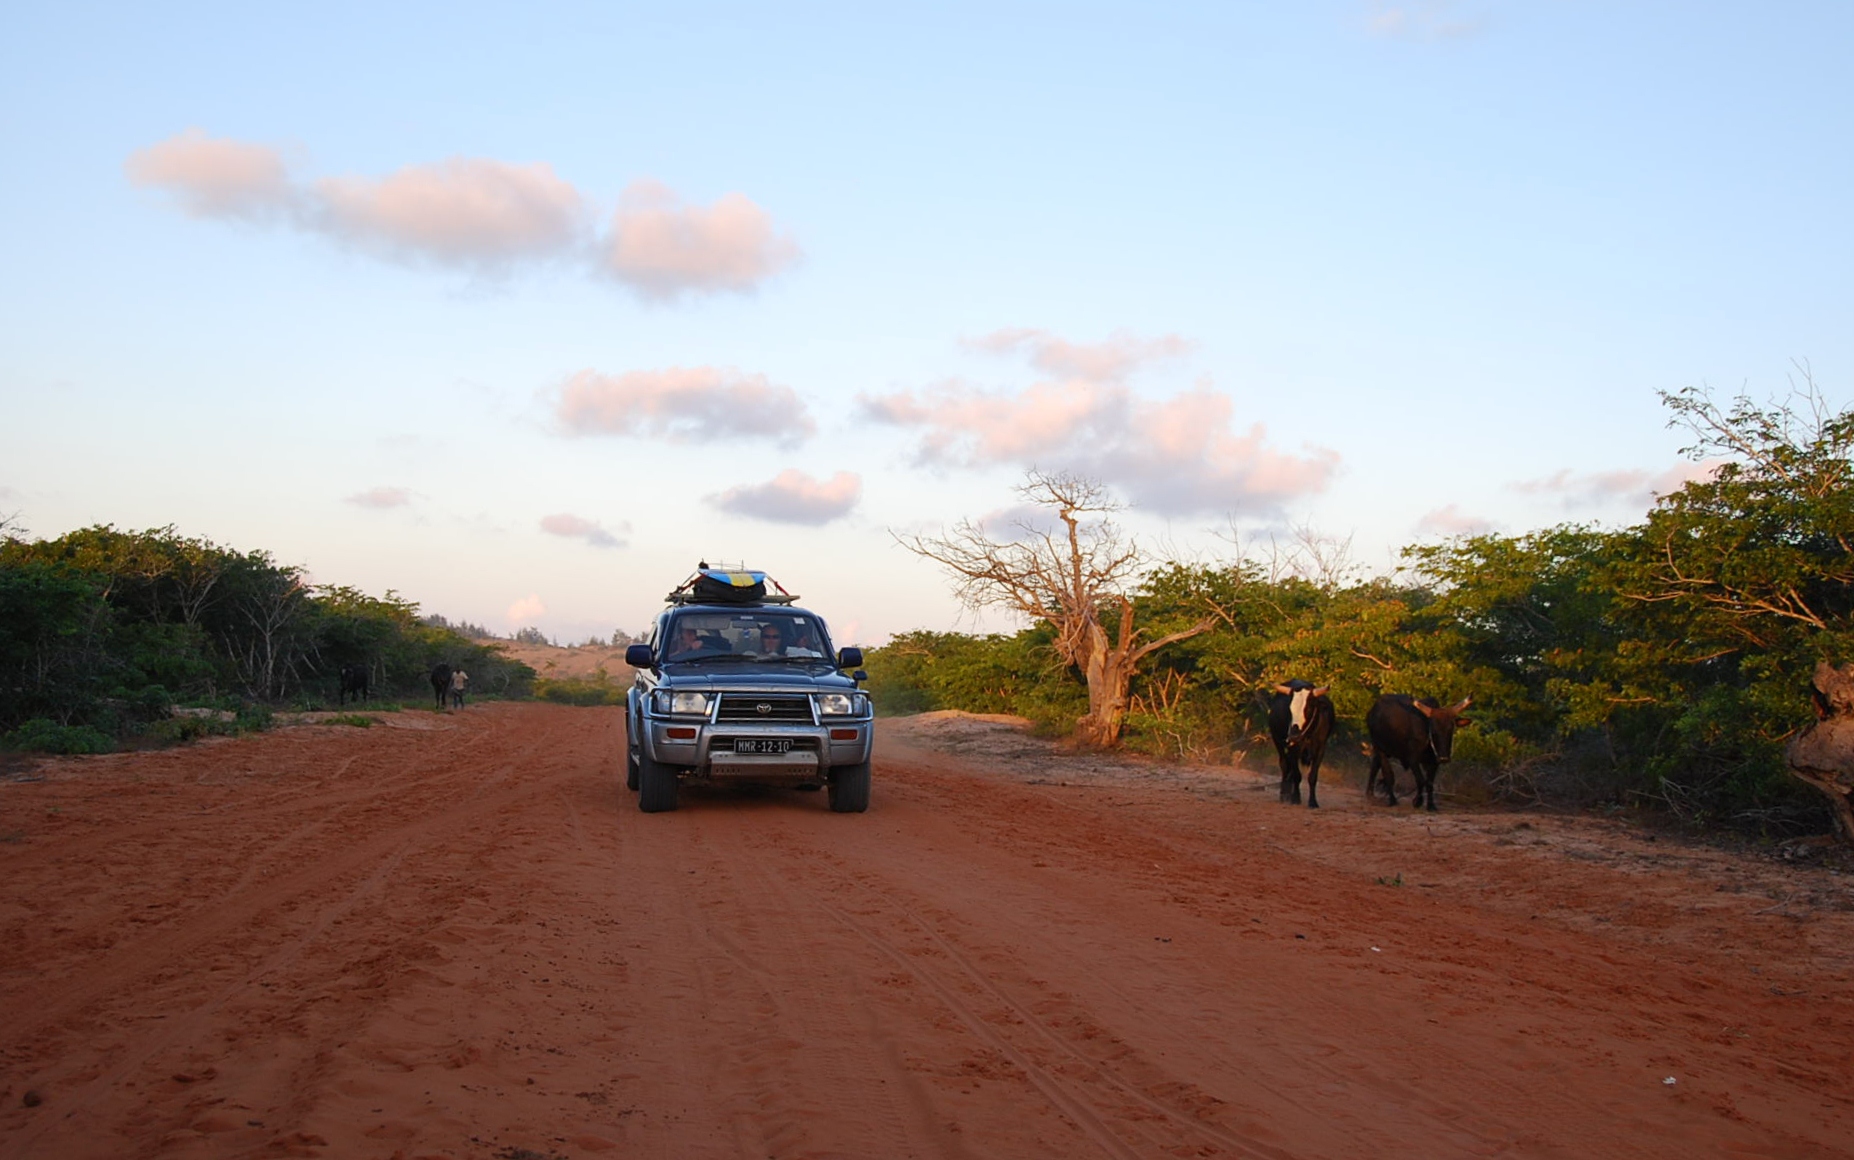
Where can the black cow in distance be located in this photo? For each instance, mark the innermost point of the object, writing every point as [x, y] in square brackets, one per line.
[441, 682]
[1300, 719]
[1416, 733]
[353, 680]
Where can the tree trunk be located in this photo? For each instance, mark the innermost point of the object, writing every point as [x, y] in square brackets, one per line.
[1108, 668]
[1109, 675]
[1823, 759]
[1822, 756]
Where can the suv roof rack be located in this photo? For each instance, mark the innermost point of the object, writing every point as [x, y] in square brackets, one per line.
[744, 586]
[681, 597]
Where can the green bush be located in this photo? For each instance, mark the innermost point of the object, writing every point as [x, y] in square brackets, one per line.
[180, 730]
[43, 735]
[597, 690]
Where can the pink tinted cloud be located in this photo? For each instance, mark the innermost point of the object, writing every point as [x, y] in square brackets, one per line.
[662, 248]
[1633, 489]
[580, 528]
[1452, 521]
[526, 609]
[381, 497]
[683, 404]
[1175, 455]
[213, 177]
[1110, 361]
[792, 497]
[467, 210]
[480, 213]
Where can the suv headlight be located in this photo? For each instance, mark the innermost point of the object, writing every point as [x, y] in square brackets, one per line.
[680, 704]
[841, 705]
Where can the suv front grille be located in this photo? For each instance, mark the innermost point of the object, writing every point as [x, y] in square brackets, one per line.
[783, 707]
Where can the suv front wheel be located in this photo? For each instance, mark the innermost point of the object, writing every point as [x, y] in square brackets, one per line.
[849, 789]
[656, 785]
[630, 753]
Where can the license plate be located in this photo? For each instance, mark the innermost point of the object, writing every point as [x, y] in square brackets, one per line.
[761, 745]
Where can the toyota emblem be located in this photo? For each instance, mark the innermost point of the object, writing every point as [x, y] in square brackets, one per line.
[762, 708]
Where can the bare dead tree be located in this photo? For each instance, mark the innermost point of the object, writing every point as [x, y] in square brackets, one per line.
[1077, 578]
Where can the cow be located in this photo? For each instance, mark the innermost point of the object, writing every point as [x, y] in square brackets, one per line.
[1300, 719]
[441, 682]
[1418, 734]
[353, 680]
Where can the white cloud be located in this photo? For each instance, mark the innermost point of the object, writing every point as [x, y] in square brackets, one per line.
[683, 404]
[1635, 490]
[526, 610]
[577, 527]
[663, 249]
[215, 178]
[465, 211]
[1175, 455]
[381, 497]
[792, 497]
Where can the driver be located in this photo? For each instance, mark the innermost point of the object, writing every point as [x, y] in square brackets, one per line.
[685, 643]
[772, 638]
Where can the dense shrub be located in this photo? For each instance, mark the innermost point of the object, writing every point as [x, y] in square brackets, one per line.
[108, 630]
[40, 735]
[594, 690]
[1018, 674]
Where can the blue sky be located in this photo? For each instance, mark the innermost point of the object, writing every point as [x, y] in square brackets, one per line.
[521, 314]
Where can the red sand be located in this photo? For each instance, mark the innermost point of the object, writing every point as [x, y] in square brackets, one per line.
[455, 936]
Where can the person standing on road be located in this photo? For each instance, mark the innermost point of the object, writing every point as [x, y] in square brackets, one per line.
[460, 680]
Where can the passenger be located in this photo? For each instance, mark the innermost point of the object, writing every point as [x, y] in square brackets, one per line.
[803, 642]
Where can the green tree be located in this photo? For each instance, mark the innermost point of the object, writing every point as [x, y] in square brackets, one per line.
[1729, 593]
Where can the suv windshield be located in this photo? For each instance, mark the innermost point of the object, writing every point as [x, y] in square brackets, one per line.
[755, 635]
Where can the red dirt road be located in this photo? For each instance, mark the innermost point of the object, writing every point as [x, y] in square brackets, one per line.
[455, 936]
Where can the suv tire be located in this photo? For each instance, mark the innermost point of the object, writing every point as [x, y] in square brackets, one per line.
[656, 785]
[630, 756]
[849, 789]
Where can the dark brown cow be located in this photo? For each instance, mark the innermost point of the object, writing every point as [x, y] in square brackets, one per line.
[441, 682]
[1417, 734]
[353, 680]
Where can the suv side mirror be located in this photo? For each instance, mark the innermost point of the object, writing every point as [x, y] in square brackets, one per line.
[849, 658]
[638, 656]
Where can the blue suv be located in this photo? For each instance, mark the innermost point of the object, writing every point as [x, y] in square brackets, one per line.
[738, 687]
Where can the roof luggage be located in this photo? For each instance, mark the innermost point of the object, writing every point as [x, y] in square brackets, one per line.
[728, 586]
